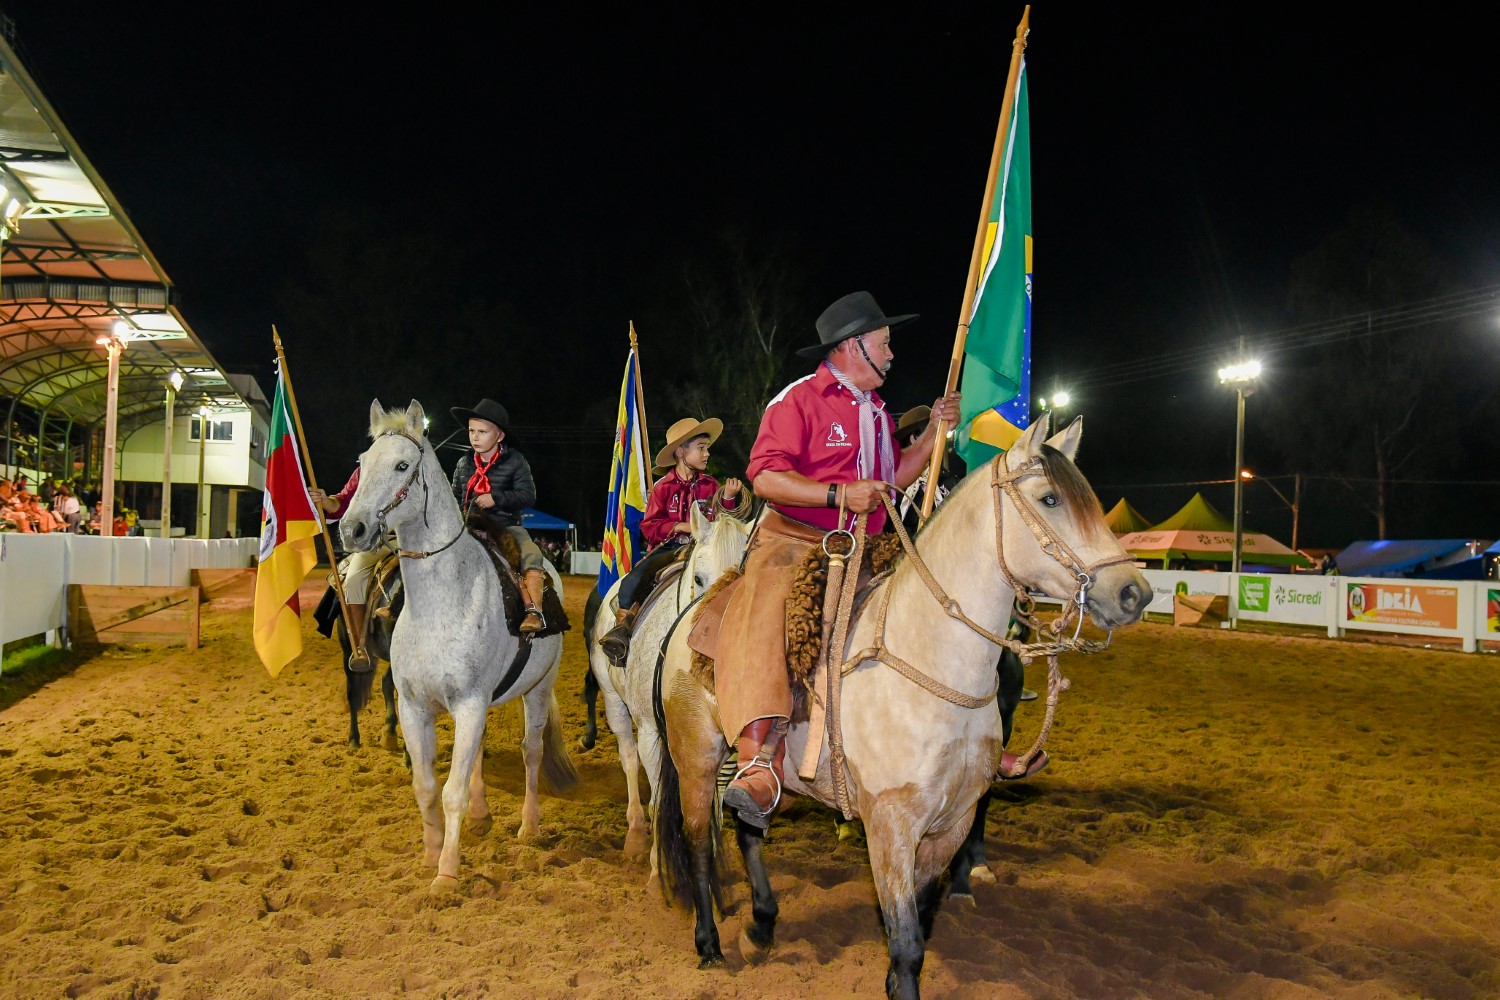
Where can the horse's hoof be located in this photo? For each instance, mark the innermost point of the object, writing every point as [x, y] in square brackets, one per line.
[390, 742]
[711, 962]
[443, 886]
[982, 875]
[963, 897]
[636, 844]
[586, 741]
[752, 953]
[847, 830]
[529, 831]
[480, 825]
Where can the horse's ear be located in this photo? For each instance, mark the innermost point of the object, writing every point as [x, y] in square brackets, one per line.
[699, 521]
[415, 419]
[377, 412]
[1028, 443]
[1066, 440]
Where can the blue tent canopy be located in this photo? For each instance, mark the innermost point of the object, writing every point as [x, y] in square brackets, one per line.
[534, 520]
[1394, 557]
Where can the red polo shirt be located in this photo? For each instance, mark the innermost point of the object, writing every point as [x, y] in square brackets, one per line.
[668, 504]
[812, 427]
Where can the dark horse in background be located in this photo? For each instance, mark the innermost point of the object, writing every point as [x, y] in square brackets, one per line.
[384, 604]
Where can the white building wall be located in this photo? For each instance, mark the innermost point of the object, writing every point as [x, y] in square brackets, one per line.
[237, 462]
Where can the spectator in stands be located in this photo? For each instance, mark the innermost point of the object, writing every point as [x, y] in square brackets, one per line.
[10, 510]
[65, 505]
[89, 496]
[41, 518]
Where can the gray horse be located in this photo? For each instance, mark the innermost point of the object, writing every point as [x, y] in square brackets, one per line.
[451, 649]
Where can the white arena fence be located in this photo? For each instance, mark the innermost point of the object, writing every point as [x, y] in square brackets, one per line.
[35, 571]
[1453, 609]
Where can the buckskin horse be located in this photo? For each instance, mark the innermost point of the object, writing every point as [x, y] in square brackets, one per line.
[919, 734]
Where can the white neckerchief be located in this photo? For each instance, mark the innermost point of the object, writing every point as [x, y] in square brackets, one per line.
[870, 443]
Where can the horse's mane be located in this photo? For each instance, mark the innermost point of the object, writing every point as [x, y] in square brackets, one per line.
[390, 421]
[1066, 479]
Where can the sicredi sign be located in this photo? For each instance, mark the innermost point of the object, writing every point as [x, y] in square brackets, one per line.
[1297, 600]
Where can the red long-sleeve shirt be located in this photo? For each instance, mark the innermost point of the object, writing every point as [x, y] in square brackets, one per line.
[668, 504]
[344, 495]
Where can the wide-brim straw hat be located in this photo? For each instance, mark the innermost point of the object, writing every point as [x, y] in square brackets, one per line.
[850, 316]
[912, 423]
[684, 431]
[485, 409]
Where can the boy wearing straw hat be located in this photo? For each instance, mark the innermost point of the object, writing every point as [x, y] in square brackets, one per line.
[668, 521]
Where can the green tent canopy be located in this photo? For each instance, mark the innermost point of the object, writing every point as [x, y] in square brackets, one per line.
[1199, 533]
[1123, 518]
[1196, 515]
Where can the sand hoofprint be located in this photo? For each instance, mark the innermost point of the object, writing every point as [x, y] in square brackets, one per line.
[1226, 815]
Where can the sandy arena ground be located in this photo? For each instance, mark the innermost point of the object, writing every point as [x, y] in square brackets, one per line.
[1226, 815]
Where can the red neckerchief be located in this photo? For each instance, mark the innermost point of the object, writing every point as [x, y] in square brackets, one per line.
[479, 482]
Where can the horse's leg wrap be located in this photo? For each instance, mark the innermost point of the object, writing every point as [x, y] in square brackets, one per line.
[755, 791]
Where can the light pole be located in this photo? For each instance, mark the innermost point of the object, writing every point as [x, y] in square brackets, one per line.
[174, 385]
[115, 345]
[1295, 504]
[202, 437]
[1242, 376]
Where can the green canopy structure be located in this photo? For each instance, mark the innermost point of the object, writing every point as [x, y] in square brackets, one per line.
[1123, 518]
[1196, 515]
[1199, 533]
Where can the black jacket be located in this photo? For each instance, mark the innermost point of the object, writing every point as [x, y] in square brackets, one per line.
[510, 484]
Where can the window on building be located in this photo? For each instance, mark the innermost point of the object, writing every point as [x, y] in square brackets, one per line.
[218, 430]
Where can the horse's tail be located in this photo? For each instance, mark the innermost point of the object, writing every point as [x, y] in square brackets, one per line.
[674, 855]
[557, 765]
[357, 686]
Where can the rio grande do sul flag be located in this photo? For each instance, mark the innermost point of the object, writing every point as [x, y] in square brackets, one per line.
[996, 384]
[627, 485]
[288, 527]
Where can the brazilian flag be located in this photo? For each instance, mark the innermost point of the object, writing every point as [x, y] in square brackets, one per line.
[996, 384]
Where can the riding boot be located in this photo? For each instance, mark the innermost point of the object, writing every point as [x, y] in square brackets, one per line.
[533, 583]
[756, 789]
[357, 636]
[616, 642]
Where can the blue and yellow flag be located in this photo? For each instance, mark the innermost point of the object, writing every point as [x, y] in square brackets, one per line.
[623, 543]
[996, 382]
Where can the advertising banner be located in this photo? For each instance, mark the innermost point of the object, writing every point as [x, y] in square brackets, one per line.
[1290, 598]
[1401, 605]
[1491, 624]
[1165, 583]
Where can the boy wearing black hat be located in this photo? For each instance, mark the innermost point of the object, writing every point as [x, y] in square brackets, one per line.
[495, 482]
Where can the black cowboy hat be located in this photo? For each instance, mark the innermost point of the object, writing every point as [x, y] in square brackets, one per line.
[485, 409]
[850, 316]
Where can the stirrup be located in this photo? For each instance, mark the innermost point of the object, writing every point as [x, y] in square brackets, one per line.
[759, 760]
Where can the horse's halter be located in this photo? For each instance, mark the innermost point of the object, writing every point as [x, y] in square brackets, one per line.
[1085, 574]
[405, 491]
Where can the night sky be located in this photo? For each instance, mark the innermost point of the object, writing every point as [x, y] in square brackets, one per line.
[557, 172]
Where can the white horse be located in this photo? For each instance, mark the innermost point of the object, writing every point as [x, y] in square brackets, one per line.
[920, 733]
[451, 649]
[717, 546]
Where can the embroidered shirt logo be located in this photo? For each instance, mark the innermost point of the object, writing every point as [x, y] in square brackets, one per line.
[837, 437]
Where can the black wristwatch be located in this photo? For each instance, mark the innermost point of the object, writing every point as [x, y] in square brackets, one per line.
[833, 495]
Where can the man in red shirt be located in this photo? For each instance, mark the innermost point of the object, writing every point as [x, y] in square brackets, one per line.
[668, 521]
[825, 441]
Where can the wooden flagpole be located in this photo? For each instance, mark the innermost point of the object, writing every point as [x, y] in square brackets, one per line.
[976, 256]
[357, 642]
[640, 404]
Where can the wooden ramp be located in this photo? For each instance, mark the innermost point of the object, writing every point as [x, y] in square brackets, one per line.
[155, 616]
[1203, 610]
[212, 584]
